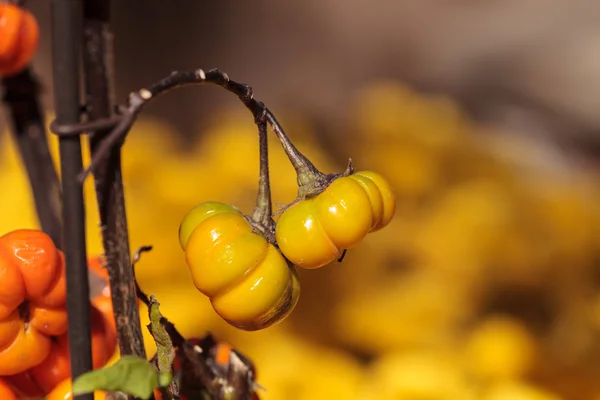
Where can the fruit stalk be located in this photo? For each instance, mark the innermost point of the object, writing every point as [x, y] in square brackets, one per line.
[305, 169]
[108, 178]
[66, 50]
[310, 180]
[263, 211]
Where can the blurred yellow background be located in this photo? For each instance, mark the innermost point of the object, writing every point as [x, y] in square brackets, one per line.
[484, 286]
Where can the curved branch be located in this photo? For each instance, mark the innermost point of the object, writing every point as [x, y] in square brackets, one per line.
[138, 100]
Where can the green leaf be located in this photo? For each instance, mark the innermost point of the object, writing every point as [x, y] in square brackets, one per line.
[130, 374]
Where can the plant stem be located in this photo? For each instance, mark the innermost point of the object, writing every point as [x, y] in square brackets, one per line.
[66, 18]
[21, 97]
[305, 169]
[310, 180]
[263, 211]
[97, 59]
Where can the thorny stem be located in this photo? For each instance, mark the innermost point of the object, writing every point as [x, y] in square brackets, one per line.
[21, 98]
[262, 215]
[97, 60]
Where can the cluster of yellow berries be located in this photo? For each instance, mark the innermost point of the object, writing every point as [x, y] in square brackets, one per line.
[480, 287]
[246, 264]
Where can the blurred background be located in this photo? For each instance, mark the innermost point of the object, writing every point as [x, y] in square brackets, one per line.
[483, 115]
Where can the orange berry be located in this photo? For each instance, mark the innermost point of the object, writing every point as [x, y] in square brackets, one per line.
[28, 349]
[19, 37]
[6, 392]
[32, 299]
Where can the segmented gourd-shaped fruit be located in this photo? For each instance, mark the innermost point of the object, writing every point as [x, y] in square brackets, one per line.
[249, 283]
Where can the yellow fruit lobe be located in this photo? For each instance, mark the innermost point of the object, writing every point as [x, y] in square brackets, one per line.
[221, 250]
[198, 214]
[344, 210]
[248, 281]
[302, 239]
[388, 199]
[270, 291]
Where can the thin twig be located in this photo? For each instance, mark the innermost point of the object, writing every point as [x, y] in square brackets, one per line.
[144, 298]
[138, 100]
[97, 59]
[21, 96]
[84, 127]
[176, 337]
[138, 254]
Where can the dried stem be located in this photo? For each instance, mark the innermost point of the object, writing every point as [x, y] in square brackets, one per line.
[263, 211]
[66, 18]
[310, 180]
[97, 58]
[21, 96]
[306, 171]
